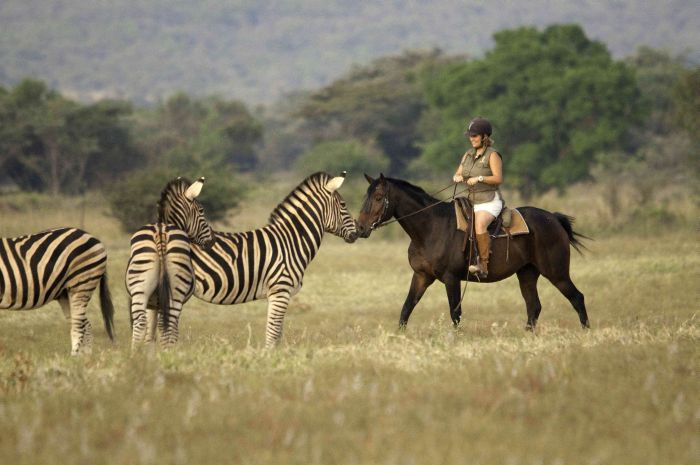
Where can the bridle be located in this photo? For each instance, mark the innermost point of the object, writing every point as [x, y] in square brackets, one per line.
[385, 206]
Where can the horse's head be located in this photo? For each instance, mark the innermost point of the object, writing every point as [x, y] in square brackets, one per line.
[179, 206]
[338, 220]
[376, 207]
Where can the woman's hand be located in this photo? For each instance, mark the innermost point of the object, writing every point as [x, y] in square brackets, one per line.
[457, 178]
[472, 181]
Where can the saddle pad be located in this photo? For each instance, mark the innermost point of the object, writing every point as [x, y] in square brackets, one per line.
[517, 226]
[517, 223]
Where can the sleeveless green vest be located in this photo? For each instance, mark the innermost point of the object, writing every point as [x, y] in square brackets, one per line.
[473, 166]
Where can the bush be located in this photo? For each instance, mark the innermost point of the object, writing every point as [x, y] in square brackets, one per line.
[133, 201]
[342, 155]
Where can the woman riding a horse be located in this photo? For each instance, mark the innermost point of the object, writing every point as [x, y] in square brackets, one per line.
[481, 169]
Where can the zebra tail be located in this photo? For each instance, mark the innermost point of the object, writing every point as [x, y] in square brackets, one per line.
[163, 278]
[131, 317]
[107, 307]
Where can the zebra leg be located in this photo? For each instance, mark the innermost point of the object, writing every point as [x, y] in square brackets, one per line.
[153, 325]
[277, 302]
[64, 302]
[141, 288]
[80, 329]
[170, 335]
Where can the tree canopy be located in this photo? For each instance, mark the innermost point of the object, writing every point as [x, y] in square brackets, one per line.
[48, 142]
[554, 97]
[379, 104]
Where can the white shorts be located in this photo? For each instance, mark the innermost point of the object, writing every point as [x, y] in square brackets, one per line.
[494, 207]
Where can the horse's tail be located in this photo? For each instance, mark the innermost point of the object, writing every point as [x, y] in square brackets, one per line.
[567, 223]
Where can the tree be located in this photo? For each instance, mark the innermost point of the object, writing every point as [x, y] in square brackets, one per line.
[657, 74]
[191, 138]
[555, 98]
[191, 133]
[687, 114]
[686, 94]
[342, 155]
[379, 104]
[50, 143]
[113, 151]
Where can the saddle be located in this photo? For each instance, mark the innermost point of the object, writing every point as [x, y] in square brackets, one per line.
[510, 222]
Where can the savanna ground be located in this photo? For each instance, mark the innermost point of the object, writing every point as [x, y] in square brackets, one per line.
[346, 387]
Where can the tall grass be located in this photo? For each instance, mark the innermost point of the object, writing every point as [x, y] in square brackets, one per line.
[347, 387]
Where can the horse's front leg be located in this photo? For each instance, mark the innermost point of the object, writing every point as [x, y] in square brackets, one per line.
[419, 283]
[452, 286]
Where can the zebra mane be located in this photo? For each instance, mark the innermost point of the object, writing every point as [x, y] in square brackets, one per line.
[318, 178]
[173, 187]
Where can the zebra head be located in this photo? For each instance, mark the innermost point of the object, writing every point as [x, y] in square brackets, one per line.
[178, 205]
[337, 218]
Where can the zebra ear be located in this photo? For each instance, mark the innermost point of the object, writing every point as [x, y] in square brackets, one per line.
[195, 189]
[335, 183]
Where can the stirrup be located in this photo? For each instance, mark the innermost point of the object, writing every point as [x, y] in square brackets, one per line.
[474, 269]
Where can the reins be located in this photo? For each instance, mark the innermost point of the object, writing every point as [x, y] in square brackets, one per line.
[378, 225]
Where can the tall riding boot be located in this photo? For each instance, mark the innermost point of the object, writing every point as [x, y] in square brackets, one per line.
[483, 242]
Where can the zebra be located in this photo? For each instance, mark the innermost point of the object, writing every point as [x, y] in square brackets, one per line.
[159, 274]
[270, 262]
[64, 264]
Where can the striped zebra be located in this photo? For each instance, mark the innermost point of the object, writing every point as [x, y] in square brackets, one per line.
[64, 264]
[270, 262]
[159, 275]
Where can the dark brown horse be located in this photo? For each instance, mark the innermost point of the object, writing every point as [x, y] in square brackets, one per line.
[435, 251]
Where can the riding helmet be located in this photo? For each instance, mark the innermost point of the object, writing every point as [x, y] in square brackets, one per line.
[477, 126]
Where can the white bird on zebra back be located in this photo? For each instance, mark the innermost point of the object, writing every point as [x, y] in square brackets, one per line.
[159, 275]
[65, 264]
[270, 262]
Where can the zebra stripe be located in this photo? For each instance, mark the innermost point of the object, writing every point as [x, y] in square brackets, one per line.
[159, 275]
[65, 264]
[270, 262]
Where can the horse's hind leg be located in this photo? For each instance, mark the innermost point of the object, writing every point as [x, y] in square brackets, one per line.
[566, 287]
[419, 283]
[527, 277]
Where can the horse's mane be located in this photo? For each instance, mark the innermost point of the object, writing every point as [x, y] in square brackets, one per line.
[412, 189]
[319, 177]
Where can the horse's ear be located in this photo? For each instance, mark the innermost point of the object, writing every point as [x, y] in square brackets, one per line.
[382, 179]
[369, 178]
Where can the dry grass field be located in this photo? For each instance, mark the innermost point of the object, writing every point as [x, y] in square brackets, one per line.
[346, 387]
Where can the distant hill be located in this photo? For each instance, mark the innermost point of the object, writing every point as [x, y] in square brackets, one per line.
[258, 51]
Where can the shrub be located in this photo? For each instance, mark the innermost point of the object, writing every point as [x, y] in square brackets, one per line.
[133, 201]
